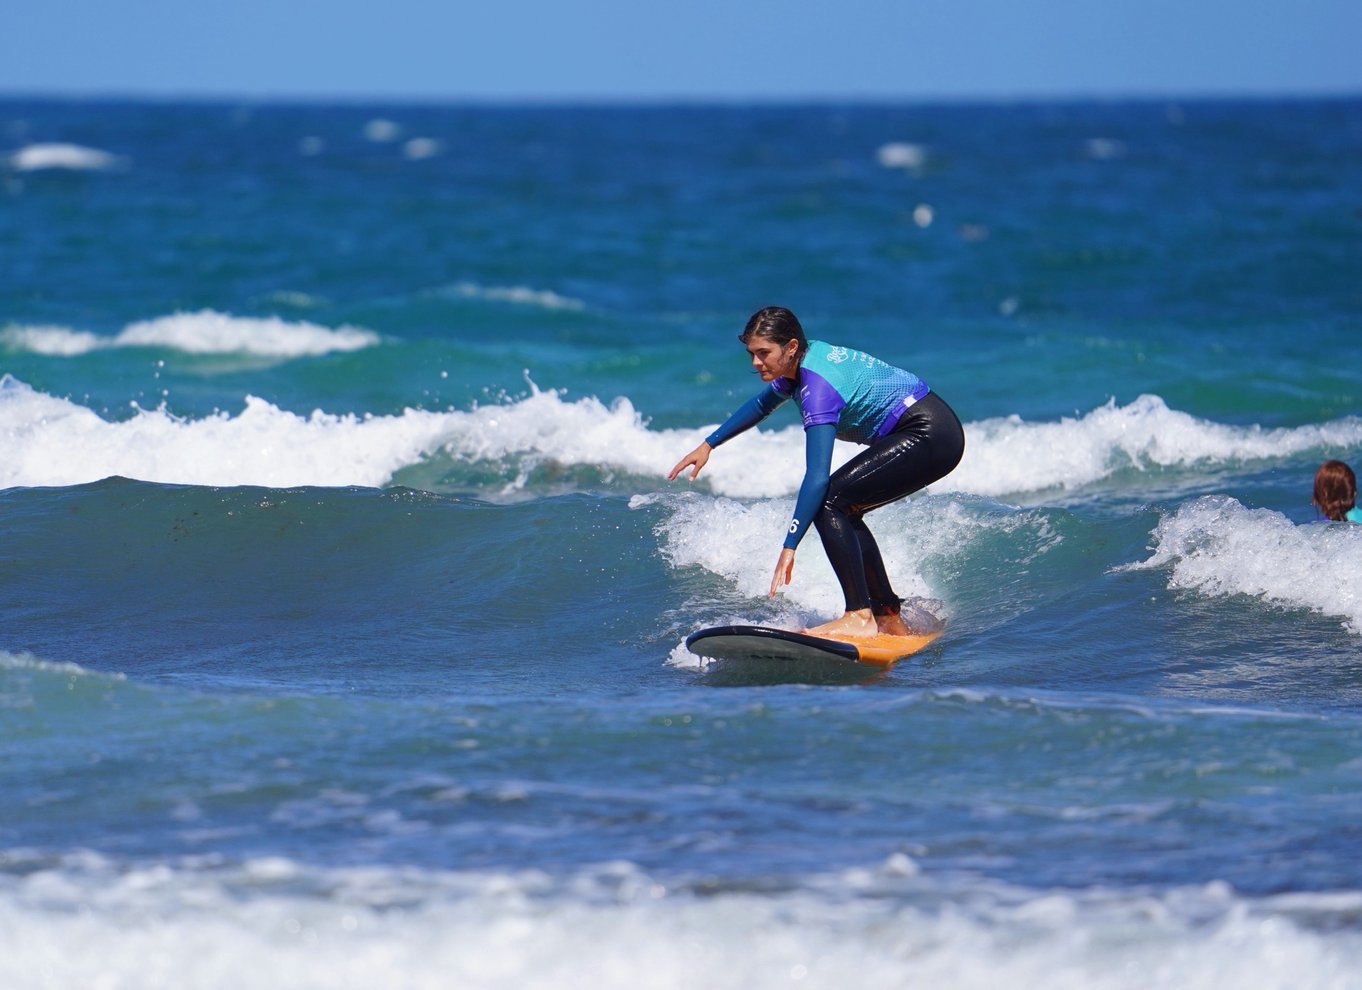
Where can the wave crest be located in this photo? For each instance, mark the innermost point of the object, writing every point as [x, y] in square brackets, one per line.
[53, 441]
[1217, 547]
[204, 332]
[55, 155]
[243, 924]
[516, 294]
[1009, 456]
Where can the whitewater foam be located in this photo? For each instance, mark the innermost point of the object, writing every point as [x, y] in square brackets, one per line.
[740, 542]
[901, 154]
[203, 332]
[380, 130]
[273, 922]
[54, 155]
[517, 294]
[56, 442]
[418, 149]
[1216, 546]
[1009, 456]
[29, 662]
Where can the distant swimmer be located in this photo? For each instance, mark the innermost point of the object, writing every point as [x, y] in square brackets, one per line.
[1336, 492]
[912, 437]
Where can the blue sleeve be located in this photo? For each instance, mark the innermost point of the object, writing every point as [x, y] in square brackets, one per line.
[746, 416]
[817, 466]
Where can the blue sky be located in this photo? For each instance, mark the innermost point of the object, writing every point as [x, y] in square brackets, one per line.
[705, 49]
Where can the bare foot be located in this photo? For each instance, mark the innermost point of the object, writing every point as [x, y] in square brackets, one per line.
[860, 623]
[892, 625]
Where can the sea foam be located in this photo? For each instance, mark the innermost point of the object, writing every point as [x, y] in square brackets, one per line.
[517, 294]
[203, 332]
[739, 541]
[272, 922]
[901, 154]
[1215, 546]
[1007, 455]
[52, 155]
[54, 441]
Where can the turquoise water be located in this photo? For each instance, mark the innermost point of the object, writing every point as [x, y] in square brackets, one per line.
[343, 597]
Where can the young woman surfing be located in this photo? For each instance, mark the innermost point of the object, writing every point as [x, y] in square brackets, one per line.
[912, 439]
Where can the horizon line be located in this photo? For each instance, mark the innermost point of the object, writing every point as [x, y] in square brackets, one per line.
[588, 99]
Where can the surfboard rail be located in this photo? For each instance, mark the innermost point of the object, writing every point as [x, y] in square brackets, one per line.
[744, 642]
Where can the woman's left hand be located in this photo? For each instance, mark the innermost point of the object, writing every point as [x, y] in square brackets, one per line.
[784, 570]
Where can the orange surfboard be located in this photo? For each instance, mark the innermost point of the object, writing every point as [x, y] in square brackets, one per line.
[765, 643]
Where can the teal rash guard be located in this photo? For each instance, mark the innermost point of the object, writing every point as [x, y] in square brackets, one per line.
[842, 394]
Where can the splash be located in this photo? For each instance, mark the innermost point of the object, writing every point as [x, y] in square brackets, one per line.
[739, 542]
[1217, 547]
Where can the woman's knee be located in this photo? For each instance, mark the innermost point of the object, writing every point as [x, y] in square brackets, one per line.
[840, 511]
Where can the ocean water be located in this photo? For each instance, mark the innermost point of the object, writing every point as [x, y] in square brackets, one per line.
[343, 597]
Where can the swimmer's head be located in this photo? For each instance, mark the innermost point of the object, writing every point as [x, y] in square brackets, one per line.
[1335, 489]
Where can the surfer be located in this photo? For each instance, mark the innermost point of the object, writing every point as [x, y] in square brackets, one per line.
[1336, 492]
[912, 437]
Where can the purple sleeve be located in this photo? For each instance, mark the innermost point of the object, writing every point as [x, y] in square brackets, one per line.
[819, 402]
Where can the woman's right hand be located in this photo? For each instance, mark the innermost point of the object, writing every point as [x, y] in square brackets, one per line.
[695, 460]
[784, 570]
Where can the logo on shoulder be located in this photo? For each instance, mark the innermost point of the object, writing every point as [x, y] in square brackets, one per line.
[837, 355]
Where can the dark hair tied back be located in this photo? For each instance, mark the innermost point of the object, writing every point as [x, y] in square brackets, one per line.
[777, 324]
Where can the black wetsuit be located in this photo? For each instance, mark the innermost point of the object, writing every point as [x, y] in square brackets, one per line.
[926, 444]
[913, 439]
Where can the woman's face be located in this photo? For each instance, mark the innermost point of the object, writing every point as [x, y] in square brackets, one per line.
[772, 361]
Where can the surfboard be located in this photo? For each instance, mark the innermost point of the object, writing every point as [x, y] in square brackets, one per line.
[738, 643]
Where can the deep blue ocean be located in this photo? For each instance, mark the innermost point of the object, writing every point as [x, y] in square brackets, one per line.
[343, 597]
